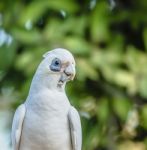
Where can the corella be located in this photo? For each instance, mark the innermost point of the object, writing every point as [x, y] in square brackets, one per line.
[47, 120]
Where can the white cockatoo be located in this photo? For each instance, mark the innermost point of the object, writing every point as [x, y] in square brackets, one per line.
[46, 120]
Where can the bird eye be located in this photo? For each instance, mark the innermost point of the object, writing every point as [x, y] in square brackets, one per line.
[55, 65]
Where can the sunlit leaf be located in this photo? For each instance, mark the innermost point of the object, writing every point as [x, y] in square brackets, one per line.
[77, 45]
[142, 87]
[84, 69]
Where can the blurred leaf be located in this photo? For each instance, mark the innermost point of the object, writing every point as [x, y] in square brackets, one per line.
[103, 59]
[143, 116]
[145, 38]
[103, 110]
[7, 55]
[128, 145]
[77, 45]
[125, 79]
[84, 69]
[37, 8]
[93, 136]
[53, 30]
[99, 23]
[56, 28]
[142, 87]
[26, 37]
[89, 105]
[136, 60]
[121, 107]
[27, 59]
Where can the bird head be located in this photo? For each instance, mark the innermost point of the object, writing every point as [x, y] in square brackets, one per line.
[58, 67]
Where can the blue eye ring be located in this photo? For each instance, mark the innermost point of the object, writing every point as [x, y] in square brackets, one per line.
[55, 65]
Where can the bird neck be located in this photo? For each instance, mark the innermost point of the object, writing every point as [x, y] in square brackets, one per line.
[41, 82]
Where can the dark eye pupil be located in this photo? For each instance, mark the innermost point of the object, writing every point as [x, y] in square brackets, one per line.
[56, 63]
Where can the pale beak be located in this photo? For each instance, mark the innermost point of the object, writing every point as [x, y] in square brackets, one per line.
[67, 75]
[70, 72]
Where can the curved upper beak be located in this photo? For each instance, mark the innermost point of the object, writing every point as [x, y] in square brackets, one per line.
[67, 75]
[70, 72]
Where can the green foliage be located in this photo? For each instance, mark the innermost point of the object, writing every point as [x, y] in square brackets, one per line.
[110, 47]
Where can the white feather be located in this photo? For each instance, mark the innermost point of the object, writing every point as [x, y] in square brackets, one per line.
[17, 126]
[75, 128]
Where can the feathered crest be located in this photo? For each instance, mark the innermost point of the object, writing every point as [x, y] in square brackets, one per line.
[46, 54]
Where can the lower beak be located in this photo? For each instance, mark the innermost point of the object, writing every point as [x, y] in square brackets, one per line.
[70, 72]
[67, 75]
